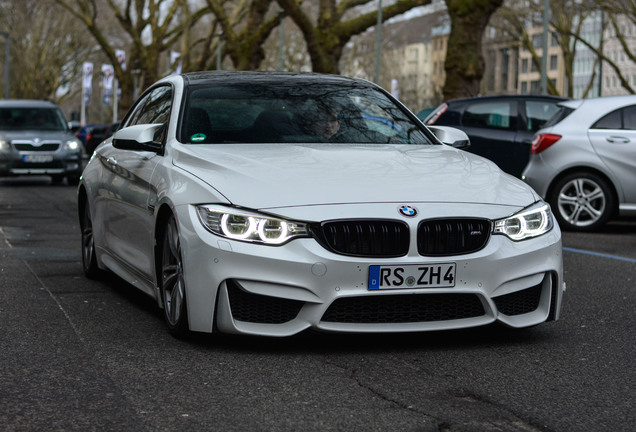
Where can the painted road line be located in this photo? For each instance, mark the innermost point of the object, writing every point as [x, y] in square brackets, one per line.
[602, 255]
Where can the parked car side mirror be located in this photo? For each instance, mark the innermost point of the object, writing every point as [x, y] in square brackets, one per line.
[451, 136]
[140, 138]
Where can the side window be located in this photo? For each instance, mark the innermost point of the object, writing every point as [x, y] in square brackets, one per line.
[612, 120]
[493, 115]
[629, 117]
[538, 113]
[156, 109]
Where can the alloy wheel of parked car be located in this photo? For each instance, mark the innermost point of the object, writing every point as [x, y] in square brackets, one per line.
[172, 281]
[582, 201]
[89, 260]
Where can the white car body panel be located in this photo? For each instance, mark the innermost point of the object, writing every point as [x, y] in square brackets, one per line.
[280, 175]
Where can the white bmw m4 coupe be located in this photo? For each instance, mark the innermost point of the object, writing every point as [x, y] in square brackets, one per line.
[270, 203]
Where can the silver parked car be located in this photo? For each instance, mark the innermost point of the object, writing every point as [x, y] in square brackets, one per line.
[269, 204]
[583, 161]
[35, 140]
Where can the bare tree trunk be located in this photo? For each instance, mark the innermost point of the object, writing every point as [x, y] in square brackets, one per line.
[464, 63]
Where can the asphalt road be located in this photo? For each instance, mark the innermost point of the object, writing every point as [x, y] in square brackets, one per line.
[89, 355]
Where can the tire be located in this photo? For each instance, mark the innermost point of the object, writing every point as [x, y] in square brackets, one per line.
[582, 201]
[173, 292]
[89, 259]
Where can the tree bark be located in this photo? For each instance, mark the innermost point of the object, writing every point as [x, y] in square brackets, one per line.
[327, 37]
[464, 63]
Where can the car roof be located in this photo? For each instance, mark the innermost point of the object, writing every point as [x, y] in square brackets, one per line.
[508, 97]
[600, 103]
[26, 103]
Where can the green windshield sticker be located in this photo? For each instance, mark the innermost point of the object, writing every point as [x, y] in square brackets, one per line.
[197, 137]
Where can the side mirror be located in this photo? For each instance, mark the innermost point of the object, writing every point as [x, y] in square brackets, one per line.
[451, 136]
[140, 138]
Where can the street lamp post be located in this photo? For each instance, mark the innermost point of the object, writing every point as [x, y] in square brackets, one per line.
[7, 36]
[218, 52]
[544, 58]
[378, 47]
[281, 60]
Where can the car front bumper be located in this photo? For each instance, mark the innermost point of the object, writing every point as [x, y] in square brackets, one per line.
[244, 288]
[24, 163]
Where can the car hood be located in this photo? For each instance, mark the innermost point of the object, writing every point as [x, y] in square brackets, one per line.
[42, 135]
[262, 176]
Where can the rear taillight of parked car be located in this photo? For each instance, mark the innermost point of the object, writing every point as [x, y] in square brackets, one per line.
[541, 142]
[434, 116]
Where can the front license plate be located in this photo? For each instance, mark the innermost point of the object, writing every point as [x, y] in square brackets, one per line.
[37, 158]
[440, 275]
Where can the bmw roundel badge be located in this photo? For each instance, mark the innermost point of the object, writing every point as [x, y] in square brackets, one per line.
[408, 211]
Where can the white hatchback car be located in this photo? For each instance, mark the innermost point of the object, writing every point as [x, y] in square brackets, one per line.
[583, 161]
[269, 204]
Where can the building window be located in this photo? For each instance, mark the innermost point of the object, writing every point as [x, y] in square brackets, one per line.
[524, 87]
[553, 62]
[535, 87]
[533, 67]
[524, 66]
[413, 55]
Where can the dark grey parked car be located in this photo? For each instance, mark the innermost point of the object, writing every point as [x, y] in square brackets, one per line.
[500, 128]
[35, 140]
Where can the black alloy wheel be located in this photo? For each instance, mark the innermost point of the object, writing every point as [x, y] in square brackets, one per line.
[89, 260]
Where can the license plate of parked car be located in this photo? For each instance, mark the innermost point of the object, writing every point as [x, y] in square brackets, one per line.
[439, 275]
[36, 158]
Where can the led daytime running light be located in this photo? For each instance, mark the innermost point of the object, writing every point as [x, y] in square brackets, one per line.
[527, 224]
[250, 227]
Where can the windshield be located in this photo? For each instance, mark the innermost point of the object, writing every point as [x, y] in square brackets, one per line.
[289, 113]
[32, 119]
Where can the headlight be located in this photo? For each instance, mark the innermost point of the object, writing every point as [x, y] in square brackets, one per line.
[247, 226]
[71, 145]
[4, 145]
[531, 222]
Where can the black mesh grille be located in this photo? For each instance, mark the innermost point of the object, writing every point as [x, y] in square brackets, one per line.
[49, 147]
[452, 236]
[262, 309]
[519, 302]
[389, 309]
[371, 238]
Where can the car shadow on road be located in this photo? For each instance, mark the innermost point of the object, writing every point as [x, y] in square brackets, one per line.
[312, 342]
[315, 342]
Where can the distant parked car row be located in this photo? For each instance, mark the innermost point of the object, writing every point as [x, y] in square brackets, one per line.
[92, 135]
[579, 155]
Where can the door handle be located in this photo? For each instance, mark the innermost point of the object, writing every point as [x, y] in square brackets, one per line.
[112, 161]
[617, 140]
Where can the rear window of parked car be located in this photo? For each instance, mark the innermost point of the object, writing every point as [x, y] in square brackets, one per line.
[624, 118]
[561, 114]
[499, 115]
